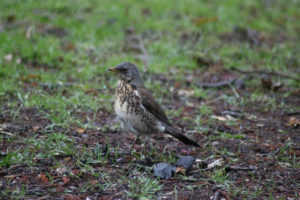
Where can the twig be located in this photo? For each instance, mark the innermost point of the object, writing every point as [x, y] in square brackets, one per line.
[271, 73]
[237, 168]
[232, 113]
[291, 113]
[7, 133]
[218, 84]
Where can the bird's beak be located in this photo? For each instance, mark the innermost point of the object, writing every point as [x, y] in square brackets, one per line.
[113, 69]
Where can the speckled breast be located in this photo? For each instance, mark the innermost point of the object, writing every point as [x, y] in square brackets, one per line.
[130, 111]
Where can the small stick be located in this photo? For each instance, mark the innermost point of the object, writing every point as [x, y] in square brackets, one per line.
[271, 73]
[7, 133]
[237, 168]
[291, 113]
[218, 84]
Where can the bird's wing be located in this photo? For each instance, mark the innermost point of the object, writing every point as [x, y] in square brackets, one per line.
[152, 106]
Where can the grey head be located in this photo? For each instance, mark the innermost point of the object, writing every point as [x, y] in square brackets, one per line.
[129, 73]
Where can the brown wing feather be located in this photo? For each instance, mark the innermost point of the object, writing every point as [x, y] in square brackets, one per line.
[152, 106]
[155, 109]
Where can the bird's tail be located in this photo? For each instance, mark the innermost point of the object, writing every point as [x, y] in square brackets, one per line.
[171, 131]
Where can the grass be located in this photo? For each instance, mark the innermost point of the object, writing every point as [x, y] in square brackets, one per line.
[54, 58]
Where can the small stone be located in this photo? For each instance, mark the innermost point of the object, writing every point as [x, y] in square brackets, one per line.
[164, 170]
[186, 162]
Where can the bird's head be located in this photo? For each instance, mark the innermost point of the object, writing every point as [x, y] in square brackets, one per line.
[128, 72]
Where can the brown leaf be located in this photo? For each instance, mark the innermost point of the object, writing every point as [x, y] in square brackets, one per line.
[180, 170]
[74, 171]
[60, 170]
[204, 20]
[66, 180]
[293, 121]
[187, 93]
[30, 77]
[220, 118]
[93, 182]
[43, 178]
[35, 128]
[68, 46]
[80, 130]
[92, 91]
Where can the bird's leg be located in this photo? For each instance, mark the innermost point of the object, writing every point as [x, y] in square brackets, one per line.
[136, 139]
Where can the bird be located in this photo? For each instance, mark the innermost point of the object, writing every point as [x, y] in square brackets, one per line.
[136, 108]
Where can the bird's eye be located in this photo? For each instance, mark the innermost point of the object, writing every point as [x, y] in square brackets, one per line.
[123, 70]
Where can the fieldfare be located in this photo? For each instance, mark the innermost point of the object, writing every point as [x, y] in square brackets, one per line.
[137, 110]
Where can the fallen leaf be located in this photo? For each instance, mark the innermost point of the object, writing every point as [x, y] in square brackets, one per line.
[186, 93]
[74, 172]
[204, 20]
[30, 77]
[66, 180]
[216, 163]
[43, 178]
[220, 118]
[80, 130]
[67, 159]
[180, 170]
[293, 121]
[35, 128]
[93, 182]
[92, 91]
[60, 170]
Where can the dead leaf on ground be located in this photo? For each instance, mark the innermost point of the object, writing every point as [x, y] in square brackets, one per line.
[30, 77]
[199, 21]
[294, 122]
[223, 118]
[92, 92]
[80, 130]
[43, 178]
[180, 170]
[220, 118]
[187, 92]
[35, 128]
[67, 46]
[216, 163]
[66, 180]
[60, 170]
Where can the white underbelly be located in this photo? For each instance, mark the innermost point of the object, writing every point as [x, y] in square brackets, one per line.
[128, 121]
